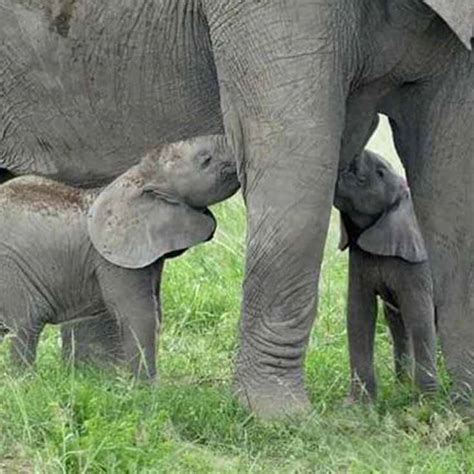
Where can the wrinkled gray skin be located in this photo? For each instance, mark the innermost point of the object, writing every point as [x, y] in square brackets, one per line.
[387, 259]
[66, 253]
[297, 85]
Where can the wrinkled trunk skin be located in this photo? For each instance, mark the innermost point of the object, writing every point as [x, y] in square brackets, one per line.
[432, 125]
[87, 87]
[283, 113]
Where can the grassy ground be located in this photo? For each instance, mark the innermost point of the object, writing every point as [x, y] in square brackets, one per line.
[65, 420]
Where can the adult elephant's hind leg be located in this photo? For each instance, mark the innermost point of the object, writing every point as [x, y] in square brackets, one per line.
[434, 136]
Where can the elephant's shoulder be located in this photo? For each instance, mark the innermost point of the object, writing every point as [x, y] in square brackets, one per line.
[42, 194]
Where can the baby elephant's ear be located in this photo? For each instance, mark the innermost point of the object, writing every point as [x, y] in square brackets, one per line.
[132, 226]
[396, 234]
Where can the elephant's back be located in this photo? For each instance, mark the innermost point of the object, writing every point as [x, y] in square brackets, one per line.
[43, 217]
[43, 231]
[44, 242]
[41, 196]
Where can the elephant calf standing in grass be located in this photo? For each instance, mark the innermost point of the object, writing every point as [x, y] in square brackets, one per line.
[387, 258]
[68, 254]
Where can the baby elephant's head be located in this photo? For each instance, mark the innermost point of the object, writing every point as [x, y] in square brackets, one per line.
[368, 186]
[159, 207]
[376, 209]
[199, 172]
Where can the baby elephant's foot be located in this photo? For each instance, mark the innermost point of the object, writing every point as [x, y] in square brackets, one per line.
[428, 386]
[359, 399]
[144, 381]
[427, 381]
[142, 372]
[350, 401]
[361, 393]
[147, 378]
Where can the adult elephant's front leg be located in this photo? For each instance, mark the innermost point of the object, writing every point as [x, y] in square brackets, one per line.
[283, 112]
[288, 196]
[433, 132]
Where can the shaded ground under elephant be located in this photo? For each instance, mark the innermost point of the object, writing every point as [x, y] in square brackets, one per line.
[85, 86]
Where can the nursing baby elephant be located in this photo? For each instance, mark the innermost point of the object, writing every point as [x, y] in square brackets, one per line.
[85, 85]
[68, 254]
[387, 259]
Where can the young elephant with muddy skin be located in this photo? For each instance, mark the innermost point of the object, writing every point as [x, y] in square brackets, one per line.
[387, 259]
[68, 254]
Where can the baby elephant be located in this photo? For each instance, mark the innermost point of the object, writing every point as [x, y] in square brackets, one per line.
[388, 259]
[68, 254]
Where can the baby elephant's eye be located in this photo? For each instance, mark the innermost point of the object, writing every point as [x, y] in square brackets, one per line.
[205, 160]
[381, 173]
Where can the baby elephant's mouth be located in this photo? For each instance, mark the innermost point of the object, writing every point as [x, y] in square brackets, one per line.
[230, 177]
[346, 178]
[347, 184]
[350, 177]
[234, 179]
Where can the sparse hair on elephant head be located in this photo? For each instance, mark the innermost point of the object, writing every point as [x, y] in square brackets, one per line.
[159, 206]
[377, 213]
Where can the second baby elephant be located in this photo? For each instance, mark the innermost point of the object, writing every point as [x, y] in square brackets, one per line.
[387, 259]
[68, 254]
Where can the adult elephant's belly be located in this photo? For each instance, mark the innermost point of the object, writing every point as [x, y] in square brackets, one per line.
[86, 90]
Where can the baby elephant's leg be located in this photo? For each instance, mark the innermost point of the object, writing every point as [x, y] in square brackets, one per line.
[96, 340]
[23, 311]
[24, 344]
[130, 296]
[418, 316]
[402, 352]
[25, 324]
[362, 315]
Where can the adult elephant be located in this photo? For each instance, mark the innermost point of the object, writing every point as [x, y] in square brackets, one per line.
[85, 86]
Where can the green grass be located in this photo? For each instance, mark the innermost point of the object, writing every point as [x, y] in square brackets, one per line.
[63, 420]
